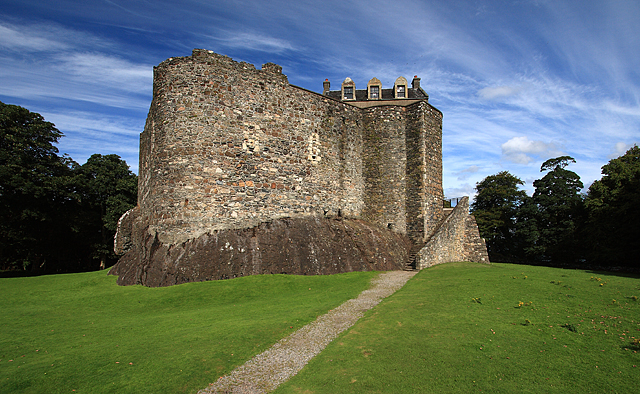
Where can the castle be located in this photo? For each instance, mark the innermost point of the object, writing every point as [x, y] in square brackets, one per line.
[242, 173]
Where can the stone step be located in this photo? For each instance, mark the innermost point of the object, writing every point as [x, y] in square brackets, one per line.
[410, 264]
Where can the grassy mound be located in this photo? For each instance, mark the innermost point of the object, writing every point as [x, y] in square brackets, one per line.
[500, 328]
[82, 333]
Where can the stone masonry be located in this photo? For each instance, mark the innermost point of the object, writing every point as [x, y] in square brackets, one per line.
[227, 147]
[457, 239]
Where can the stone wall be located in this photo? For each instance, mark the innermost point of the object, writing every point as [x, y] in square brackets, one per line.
[228, 147]
[384, 167]
[457, 239]
[424, 170]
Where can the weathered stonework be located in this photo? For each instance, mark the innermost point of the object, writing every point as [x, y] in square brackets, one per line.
[457, 239]
[227, 147]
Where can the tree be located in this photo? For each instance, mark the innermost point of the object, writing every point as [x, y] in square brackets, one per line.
[559, 206]
[35, 190]
[495, 208]
[613, 226]
[56, 216]
[108, 189]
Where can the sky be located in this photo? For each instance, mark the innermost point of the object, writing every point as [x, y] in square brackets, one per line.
[518, 81]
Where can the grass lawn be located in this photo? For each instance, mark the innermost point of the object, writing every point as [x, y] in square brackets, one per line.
[83, 333]
[497, 328]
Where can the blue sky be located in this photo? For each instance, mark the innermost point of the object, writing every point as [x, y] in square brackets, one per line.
[518, 82]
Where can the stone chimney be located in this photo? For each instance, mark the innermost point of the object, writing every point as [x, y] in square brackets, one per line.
[325, 86]
[416, 82]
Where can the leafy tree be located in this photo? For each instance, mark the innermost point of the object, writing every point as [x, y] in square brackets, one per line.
[613, 227]
[35, 190]
[56, 216]
[495, 209]
[108, 190]
[559, 206]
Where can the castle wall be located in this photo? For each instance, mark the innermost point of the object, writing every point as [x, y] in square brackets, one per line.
[424, 170]
[385, 161]
[228, 146]
[429, 127]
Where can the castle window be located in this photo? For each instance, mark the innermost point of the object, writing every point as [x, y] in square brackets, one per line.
[348, 93]
[373, 89]
[348, 89]
[374, 92]
[400, 88]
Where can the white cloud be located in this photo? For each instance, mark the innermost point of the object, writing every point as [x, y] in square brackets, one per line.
[619, 149]
[26, 39]
[252, 41]
[498, 92]
[113, 72]
[521, 149]
[464, 174]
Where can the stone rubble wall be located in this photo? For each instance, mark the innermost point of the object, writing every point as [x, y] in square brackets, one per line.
[228, 146]
[457, 239]
[384, 172]
[424, 171]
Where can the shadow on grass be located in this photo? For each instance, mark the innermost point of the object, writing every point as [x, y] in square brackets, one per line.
[625, 271]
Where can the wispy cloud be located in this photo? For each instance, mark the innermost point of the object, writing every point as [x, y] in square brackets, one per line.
[24, 39]
[464, 174]
[252, 41]
[499, 91]
[522, 150]
[69, 65]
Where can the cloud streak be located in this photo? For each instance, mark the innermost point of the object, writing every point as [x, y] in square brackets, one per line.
[521, 150]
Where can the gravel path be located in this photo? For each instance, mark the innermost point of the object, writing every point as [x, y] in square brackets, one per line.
[266, 371]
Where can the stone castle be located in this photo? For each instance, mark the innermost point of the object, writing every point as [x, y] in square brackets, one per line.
[242, 173]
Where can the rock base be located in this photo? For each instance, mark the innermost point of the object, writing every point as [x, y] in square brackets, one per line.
[300, 246]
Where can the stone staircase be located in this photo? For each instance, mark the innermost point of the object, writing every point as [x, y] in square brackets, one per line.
[410, 265]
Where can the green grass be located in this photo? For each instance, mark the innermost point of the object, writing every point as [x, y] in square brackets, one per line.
[83, 333]
[496, 328]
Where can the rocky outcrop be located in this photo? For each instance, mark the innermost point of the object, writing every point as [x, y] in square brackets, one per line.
[302, 246]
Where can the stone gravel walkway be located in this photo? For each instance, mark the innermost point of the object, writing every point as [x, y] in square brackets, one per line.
[266, 371]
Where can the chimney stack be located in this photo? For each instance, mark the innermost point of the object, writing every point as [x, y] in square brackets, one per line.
[325, 86]
[416, 82]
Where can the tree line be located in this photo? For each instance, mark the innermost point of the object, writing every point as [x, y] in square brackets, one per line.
[559, 224]
[56, 215]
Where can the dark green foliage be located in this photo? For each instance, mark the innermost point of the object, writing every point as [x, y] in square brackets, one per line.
[55, 216]
[495, 209]
[559, 206]
[35, 190]
[108, 189]
[560, 225]
[613, 227]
